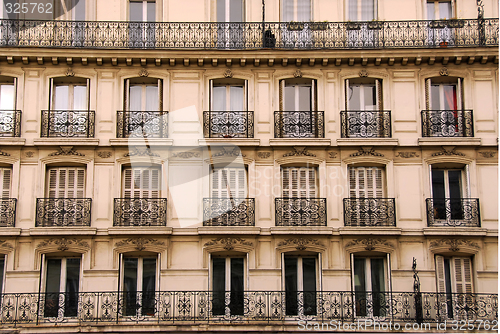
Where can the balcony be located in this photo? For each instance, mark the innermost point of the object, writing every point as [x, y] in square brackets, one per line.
[366, 124]
[447, 123]
[10, 123]
[267, 308]
[228, 124]
[58, 212]
[249, 35]
[140, 212]
[148, 124]
[453, 212]
[228, 212]
[369, 212]
[8, 212]
[68, 123]
[300, 211]
[299, 124]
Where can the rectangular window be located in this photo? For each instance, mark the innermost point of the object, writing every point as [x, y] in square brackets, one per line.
[447, 194]
[299, 182]
[444, 94]
[298, 95]
[139, 285]
[3, 267]
[300, 279]
[228, 95]
[364, 94]
[366, 182]
[296, 10]
[5, 182]
[65, 182]
[62, 284]
[439, 10]
[7, 93]
[69, 94]
[228, 278]
[362, 10]
[143, 11]
[230, 11]
[143, 94]
[141, 182]
[228, 182]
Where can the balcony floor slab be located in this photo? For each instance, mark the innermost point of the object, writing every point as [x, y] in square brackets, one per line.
[453, 141]
[300, 142]
[66, 141]
[229, 141]
[141, 142]
[367, 142]
[12, 141]
[77, 230]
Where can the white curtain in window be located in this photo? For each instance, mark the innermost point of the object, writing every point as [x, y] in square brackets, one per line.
[7, 97]
[151, 98]
[79, 10]
[353, 10]
[219, 98]
[303, 10]
[80, 98]
[135, 98]
[288, 10]
[367, 10]
[236, 103]
[61, 98]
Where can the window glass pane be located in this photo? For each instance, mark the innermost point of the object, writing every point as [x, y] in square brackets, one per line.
[444, 10]
[52, 287]
[136, 11]
[353, 10]
[367, 10]
[151, 6]
[359, 275]
[72, 287]
[450, 97]
[219, 98]
[148, 274]
[80, 98]
[2, 266]
[447, 275]
[130, 275]
[151, 98]
[237, 286]
[377, 272]
[236, 96]
[289, 98]
[370, 99]
[7, 97]
[430, 11]
[135, 98]
[288, 10]
[218, 285]
[79, 10]
[435, 98]
[303, 10]
[438, 184]
[454, 178]
[221, 10]
[354, 97]
[61, 100]
[304, 98]
[291, 285]
[309, 274]
[236, 10]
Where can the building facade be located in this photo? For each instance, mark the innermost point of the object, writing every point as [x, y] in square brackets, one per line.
[167, 167]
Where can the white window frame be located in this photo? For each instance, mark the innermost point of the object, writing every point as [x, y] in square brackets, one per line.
[52, 93]
[378, 191]
[436, 9]
[459, 95]
[58, 188]
[213, 83]
[127, 97]
[144, 9]
[140, 170]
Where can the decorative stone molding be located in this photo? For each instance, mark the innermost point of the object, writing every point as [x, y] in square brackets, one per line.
[69, 72]
[186, 155]
[66, 150]
[448, 150]
[332, 155]
[235, 152]
[300, 243]
[369, 243]
[488, 154]
[299, 151]
[4, 244]
[4, 154]
[444, 72]
[228, 73]
[63, 244]
[454, 245]
[143, 72]
[297, 74]
[104, 154]
[141, 153]
[407, 155]
[366, 151]
[29, 154]
[363, 73]
[228, 243]
[264, 155]
[139, 243]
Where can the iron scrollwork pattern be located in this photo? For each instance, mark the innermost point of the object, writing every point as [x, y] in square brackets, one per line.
[228, 212]
[228, 124]
[366, 124]
[68, 123]
[447, 123]
[299, 124]
[10, 123]
[300, 211]
[140, 212]
[453, 212]
[7, 212]
[63, 212]
[369, 212]
[148, 124]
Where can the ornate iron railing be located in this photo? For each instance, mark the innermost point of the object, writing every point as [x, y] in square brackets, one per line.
[453, 212]
[300, 211]
[10, 123]
[299, 124]
[7, 212]
[369, 212]
[68, 123]
[447, 123]
[249, 35]
[228, 212]
[228, 124]
[366, 124]
[250, 307]
[140, 212]
[150, 124]
[63, 212]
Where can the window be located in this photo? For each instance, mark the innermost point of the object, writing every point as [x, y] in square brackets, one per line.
[362, 10]
[228, 95]
[142, 35]
[3, 269]
[444, 94]
[69, 94]
[230, 11]
[296, 10]
[298, 95]
[300, 281]
[143, 10]
[366, 182]
[371, 279]
[69, 10]
[10, 118]
[364, 94]
[447, 185]
[141, 182]
[140, 275]
[228, 277]
[62, 285]
[439, 10]
[143, 94]
[5, 182]
[65, 182]
[8, 93]
[299, 182]
[228, 182]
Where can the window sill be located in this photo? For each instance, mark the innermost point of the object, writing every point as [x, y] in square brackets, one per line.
[228, 230]
[66, 141]
[375, 230]
[141, 142]
[10, 231]
[455, 230]
[367, 142]
[300, 142]
[12, 141]
[149, 230]
[454, 141]
[225, 141]
[301, 230]
[77, 230]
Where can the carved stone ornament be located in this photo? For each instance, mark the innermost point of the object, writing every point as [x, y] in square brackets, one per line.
[104, 154]
[366, 151]
[369, 243]
[264, 155]
[29, 154]
[4, 154]
[297, 74]
[228, 73]
[143, 72]
[66, 150]
[448, 150]
[69, 72]
[332, 155]
[299, 151]
[454, 244]
[140, 243]
[63, 243]
[488, 154]
[407, 155]
[235, 152]
[228, 243]
[4, 244]
[300, 243]
[186, 155]
[136, 152]
[363, 73]
[444, 72]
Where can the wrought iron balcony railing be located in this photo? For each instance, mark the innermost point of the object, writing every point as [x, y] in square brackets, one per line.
[447, 123]
[10, 123]
[149, 124]
[68, 123]
[228, 124]
[453, 212]
[299, 124]
[366, 124]
[63, 212]
[249, 35]
[300, 211]
[369, 212]
[7, 212]
[255, 307]
[228, 212]
[140, 212]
